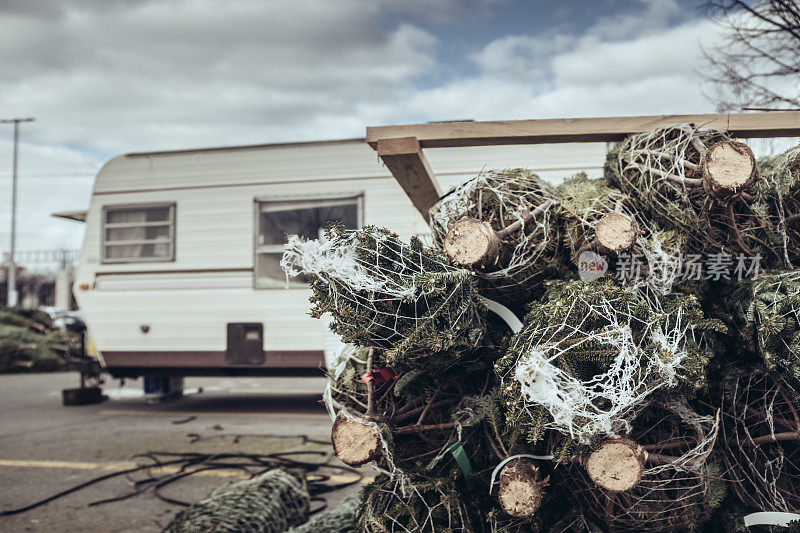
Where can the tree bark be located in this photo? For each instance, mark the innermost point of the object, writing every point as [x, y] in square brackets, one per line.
[471, 242]
[474, 243]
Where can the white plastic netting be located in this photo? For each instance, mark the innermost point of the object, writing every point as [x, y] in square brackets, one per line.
[761, 440]
[592, 371]
[654, 260]
[335, 369]
[679, 485]
[337, 260]
[381, 292]
[702, 431]
[504, 198]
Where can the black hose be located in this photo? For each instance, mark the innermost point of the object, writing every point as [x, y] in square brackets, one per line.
[190, 463]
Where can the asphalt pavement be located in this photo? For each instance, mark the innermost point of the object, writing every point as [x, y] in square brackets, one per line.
[46, 448]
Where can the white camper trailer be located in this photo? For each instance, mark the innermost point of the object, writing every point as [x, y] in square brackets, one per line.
[179, 272]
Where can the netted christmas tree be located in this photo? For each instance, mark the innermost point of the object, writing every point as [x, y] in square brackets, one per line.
[698, 183]
[602, 223]
[269, 503]
[592, 353]
[780, 193]
[404, 298]
[766, 312]
[405, 423]
[501, 224]
[606, 408]
[657, 476]
[760, 438]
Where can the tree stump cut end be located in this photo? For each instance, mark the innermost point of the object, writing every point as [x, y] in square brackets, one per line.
[354, 443]
[617, 466]
[616, 232]
[471, 242]
[729, 166]
[521, 489]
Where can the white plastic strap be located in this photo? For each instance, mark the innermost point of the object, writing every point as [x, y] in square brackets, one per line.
[770, 519]
[503, 312]
[502, 463]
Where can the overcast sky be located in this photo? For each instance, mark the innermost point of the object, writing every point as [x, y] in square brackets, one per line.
[104, 77]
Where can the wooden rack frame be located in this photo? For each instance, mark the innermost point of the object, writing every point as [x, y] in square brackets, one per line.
[400, 147]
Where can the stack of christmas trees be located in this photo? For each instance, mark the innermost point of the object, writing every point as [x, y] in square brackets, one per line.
[612, 354]
[31, 342]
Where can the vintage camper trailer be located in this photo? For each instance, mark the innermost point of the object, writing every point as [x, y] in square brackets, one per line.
[179, 272]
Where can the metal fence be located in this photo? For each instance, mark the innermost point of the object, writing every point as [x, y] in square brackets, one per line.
[43, 277]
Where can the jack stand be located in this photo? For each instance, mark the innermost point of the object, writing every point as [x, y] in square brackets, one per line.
[91, 380]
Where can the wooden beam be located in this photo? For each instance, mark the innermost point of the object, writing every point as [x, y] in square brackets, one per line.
[404, 158]
[563, 130]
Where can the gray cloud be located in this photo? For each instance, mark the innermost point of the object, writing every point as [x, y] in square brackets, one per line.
[112, 76]
[134, 71]
[105, 77]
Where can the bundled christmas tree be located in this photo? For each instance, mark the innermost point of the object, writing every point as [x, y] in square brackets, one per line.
[766, 311]
[269, 503]
[760, 439]
[29, 341]
[383, 293]
[601, 221]
[697, 183]
[591, 353]
[780, 193]
[658, 477]
[607, 407]
[501, 224]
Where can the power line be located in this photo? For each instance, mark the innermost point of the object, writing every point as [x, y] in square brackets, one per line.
[12, 269]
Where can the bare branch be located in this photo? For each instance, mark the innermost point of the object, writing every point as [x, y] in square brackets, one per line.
[759, 64]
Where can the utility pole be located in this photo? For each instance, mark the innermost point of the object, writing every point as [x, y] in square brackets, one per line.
[11, 292]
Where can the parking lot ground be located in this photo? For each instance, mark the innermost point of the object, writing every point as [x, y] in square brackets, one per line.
[46, 448]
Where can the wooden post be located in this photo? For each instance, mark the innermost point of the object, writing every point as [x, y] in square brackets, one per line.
[400, 147]
[404, 158]
[599, 129]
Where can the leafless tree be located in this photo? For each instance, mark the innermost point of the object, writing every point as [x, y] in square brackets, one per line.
[757, 66]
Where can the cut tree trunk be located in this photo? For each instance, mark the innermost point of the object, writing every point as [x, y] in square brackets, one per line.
[728, 168]
[471, 242]
[355, 443]
[521, 488]
[618, 465]
[616, 233]
[474, 243]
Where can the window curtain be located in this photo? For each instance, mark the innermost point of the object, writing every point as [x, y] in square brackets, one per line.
[127, 251]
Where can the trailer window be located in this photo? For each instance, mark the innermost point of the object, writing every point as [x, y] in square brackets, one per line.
[138, 233]
[308, 218]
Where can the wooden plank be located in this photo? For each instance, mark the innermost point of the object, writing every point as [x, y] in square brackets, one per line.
[404, 158]
[563, 130]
